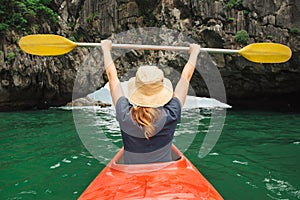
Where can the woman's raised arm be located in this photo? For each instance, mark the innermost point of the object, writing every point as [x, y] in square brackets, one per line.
[116, 90]
[182, 86]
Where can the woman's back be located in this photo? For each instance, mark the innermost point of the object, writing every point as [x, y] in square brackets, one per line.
[139, 149]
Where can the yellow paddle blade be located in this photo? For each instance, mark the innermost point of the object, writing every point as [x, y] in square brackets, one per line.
[266, 53]
[46, 44]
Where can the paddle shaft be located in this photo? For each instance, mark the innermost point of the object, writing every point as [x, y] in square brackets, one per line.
[157, 47]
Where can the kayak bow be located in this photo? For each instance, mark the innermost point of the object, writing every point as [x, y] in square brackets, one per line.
[178, 179]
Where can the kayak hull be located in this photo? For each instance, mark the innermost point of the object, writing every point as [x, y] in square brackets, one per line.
[178, 179]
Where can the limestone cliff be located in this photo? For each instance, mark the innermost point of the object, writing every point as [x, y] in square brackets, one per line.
[39, 82]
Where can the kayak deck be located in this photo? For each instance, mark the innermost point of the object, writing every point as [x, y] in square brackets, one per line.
[178, 179]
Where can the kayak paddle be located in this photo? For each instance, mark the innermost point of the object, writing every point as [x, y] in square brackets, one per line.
[52, 45]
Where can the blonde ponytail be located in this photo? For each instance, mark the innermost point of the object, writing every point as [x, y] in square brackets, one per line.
[145, 117]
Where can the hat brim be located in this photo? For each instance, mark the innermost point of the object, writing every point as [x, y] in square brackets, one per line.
[137, 97]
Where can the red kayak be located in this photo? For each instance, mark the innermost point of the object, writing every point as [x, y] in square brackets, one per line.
[178, 179]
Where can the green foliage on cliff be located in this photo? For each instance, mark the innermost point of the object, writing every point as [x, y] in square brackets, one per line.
[234, 3]
[230, 20]
[25, 15]
[10, 57]
[294, 30]
[146, 10]
[91, 18]
[242, 37]
[246, 12]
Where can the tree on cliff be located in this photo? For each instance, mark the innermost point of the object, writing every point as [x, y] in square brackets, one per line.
[25, 15]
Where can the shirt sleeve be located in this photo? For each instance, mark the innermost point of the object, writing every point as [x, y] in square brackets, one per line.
[173, 108]
[122, 108]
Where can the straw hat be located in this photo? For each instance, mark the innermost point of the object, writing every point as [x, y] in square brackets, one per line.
[149, 88]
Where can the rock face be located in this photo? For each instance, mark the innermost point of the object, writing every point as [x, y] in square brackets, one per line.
[86, 101]
[28, 81]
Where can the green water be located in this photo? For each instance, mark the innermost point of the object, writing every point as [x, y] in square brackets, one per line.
[256, 157]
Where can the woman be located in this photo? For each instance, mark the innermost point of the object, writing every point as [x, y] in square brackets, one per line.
[149, 116]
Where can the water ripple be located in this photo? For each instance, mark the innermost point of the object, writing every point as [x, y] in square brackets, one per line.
[55, 166]
[240, 162]
[279, 187]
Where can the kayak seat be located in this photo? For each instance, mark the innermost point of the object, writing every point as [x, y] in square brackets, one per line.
[175, 157]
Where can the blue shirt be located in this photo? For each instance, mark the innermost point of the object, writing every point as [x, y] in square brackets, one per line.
[137, 149]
